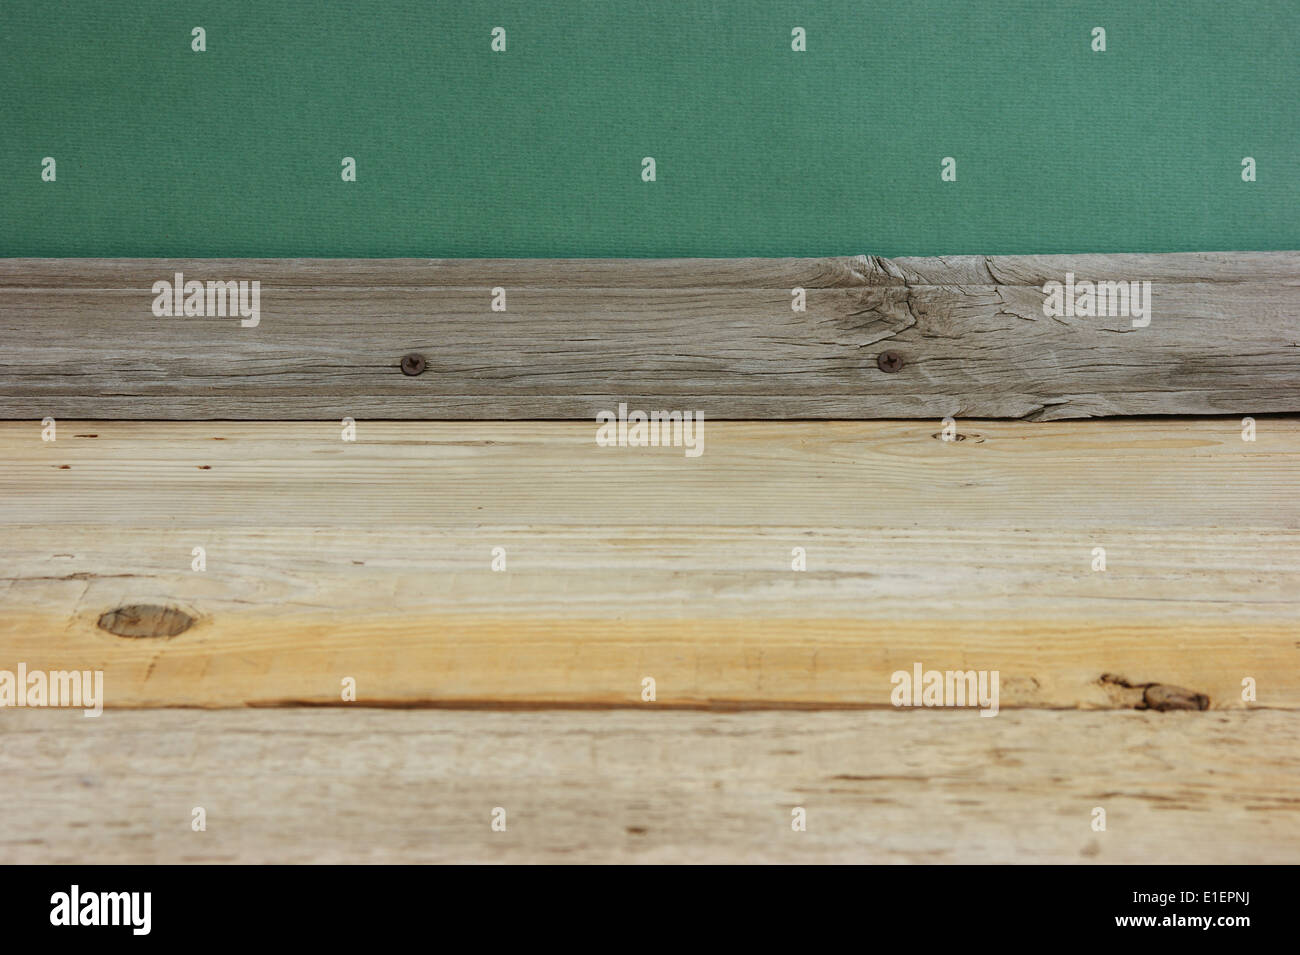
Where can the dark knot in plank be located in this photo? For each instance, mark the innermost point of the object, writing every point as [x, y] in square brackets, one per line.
[1160, 697]
[145, 620]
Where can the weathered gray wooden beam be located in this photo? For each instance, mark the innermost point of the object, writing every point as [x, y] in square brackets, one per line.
[880, 338]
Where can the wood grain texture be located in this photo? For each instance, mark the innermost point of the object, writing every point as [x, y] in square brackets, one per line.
[715, 335]
[373, 786]
[371, 559]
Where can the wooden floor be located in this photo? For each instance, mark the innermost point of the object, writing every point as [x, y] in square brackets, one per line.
[372, 560]
[372, 649]
[364, 785]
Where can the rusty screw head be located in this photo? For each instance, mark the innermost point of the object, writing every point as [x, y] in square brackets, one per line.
[889, 361]
[412, 364]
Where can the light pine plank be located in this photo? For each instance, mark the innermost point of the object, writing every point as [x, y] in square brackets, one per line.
[656, 787]
[715, 335]
[371, 560]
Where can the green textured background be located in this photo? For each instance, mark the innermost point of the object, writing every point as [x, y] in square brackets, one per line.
[536, 152]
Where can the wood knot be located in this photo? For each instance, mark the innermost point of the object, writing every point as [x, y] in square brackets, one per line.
[145, 620]
[1160, 697]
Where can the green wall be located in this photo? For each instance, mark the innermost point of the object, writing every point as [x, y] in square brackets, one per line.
[537, 151]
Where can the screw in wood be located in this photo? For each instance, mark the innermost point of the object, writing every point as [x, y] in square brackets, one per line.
[412, 364]
[889, 361]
